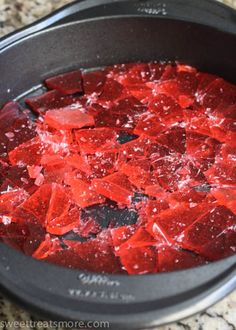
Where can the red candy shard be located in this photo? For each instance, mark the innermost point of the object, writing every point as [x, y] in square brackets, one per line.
[221, 173]
[225, 196]
[93, 82]
[136, 148]
[59, 203]
[79, 162]
[203, 148]
[38, 203]
[47, 247]
[109, 163]
[96, 140]
[66, 83]
[207, 228]
[139, 260]
[112, 90]
[174, 139]
[28, 153]
[88, 227]
[9, 200]
[8, 114]
[67, 118]
[166, 108]
[64, 223]
[121, 234]
[83, 194]
[222, 246]
[49, 101]
[94, 255]
[171, 259]
[115, 187]
[172, 222]
[129, 106]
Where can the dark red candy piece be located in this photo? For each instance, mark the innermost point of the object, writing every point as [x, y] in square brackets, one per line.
[50, 100]
[27, 153]
[67, 118]
[96, 254]
[96, 140]
[137, 74]
[172, 222]
[112, 90]
[139, 260]
[38, 203]
[115, 187]
[219, 93]
[166, 108]
[171, 259]
[11, 199]
[129, 106]
[203, 148]
[93, 82]
[19, 177]
[66, 83]
[8, 114]
[65, 223]
[115, 121]
[156, 71]
[204, 80]
[225, 196]
[174, 139]
[170, 72]
[83, 194]
[149, 125]
[21, 131]
[59, 203]
[207, 228]
[222, 246]
[47, 247]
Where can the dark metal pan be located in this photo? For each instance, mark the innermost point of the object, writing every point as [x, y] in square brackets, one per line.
[91, 34]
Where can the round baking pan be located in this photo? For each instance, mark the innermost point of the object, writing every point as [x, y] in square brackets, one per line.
[90, 34]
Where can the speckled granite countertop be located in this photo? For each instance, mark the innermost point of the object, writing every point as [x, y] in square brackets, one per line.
[222, 316]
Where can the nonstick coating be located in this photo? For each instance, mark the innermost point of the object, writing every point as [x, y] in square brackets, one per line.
[127, 302]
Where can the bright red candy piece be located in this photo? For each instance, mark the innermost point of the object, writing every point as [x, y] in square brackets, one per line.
[95, 140]
[83, 194]
[121, 234]
[67, 118]
[207, 228]
[47, 247]
[64, 223]
[38, 203]
[109, 161]
[66, 83]
[171, 259]
[27, 153]
[59, 203]
[139, 260]
[115, 187]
